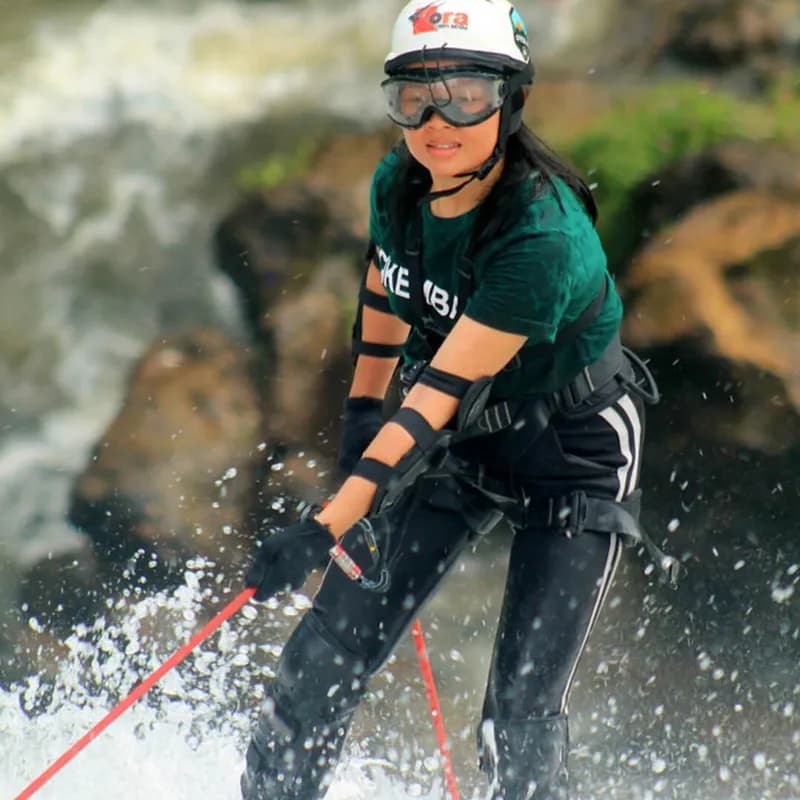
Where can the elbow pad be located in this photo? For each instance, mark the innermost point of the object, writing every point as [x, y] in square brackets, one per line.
[474, 395]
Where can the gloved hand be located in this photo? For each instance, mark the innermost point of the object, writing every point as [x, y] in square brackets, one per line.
[287, 556]
[363, 418]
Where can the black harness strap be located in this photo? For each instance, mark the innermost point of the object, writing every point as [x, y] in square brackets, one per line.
[378, 302]
[476, 418]
[575, 328]
[373, 470]
[413, 263]
[362, 348]
[416, 426]
[414, 267]
[446, 382]
[374, 300]
[577, 513]
[426, 439]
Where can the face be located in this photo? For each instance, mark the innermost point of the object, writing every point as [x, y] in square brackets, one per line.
[444, 149]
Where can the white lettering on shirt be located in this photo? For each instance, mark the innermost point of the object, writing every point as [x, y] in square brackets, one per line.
[397, 280]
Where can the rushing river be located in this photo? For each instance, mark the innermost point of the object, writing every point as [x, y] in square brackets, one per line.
[122, 125]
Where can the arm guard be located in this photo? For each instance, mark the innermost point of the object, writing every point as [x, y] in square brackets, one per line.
[430, 446]
[377, 302]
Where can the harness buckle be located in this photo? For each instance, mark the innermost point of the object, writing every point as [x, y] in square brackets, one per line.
[577, 390]
[409, 375]
[567, 514]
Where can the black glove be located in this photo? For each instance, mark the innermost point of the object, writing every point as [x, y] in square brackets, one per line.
[363, 418]
[287, 556]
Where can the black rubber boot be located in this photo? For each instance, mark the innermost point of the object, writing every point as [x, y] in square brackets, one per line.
[304, 719]
[525, 759]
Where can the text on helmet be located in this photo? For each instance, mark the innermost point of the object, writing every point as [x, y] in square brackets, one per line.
[429, 19]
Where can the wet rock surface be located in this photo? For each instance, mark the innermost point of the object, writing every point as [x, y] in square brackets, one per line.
[174, 472]
[722, 284]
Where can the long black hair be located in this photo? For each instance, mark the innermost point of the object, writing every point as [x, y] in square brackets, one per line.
[530, 166]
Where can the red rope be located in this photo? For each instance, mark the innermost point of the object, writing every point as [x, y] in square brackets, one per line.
[180, 654]
[138, 692]
[436, 710]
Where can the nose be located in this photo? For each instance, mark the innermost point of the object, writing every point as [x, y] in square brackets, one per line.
[436, 121]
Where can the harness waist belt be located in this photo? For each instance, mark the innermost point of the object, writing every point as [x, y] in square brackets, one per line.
[500, 415]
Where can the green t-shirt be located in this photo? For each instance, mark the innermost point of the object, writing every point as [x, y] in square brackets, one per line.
[533, 279]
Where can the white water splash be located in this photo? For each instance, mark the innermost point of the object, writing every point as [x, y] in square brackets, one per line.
[189, 734]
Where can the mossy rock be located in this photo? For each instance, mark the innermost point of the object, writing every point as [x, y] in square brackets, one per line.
[650, 129]
[282, 165]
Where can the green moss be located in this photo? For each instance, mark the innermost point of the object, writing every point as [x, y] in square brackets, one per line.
[653, 128]
[784, 102]
[280, 166]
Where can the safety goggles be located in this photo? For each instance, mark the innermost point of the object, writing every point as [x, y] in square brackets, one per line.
[462, 97]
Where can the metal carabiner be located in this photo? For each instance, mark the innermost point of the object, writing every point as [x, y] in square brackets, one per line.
[351, 568]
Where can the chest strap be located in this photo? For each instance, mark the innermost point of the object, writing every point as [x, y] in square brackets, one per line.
[413, 263]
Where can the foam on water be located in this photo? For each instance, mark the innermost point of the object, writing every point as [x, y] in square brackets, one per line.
[189, 733]
[207, 66]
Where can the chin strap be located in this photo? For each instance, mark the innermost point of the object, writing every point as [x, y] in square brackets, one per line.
[479, 175]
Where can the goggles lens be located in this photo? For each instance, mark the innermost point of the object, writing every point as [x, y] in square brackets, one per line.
[462, 98]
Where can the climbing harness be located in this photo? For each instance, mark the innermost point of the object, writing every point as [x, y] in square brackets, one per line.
[432, 457]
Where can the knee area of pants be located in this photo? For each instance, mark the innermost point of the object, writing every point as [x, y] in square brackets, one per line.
[316, 675]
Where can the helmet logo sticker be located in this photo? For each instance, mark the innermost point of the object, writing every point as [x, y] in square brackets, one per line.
[520, 33]
[428, 19]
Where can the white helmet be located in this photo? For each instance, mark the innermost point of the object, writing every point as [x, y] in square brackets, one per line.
[488, 33]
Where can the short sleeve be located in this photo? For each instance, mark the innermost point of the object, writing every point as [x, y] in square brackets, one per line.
[526, 286]
[375, 230]
[379, 191]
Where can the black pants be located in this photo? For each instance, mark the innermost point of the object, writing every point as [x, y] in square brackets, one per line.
[554, 591]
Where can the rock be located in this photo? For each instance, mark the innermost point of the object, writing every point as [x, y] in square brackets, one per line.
[311, 338]
[663, 197]
[722, 285]
[272, 242]
[564, 107]
[729, 32]
[67, 588]
[717, 34]
[295, 254]
[266, 239]
[175, 473]
[342, 173]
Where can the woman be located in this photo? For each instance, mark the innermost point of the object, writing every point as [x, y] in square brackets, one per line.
[486, 275]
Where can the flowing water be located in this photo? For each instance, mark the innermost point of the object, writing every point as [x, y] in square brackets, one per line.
[121, 126]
